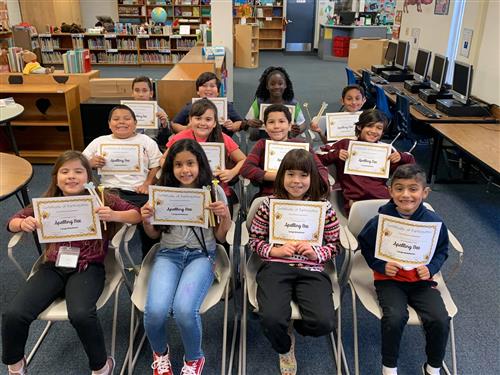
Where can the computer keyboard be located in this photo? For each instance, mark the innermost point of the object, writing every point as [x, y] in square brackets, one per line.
[391, 90]
[411, 99]
[378, 80]
[426, 111]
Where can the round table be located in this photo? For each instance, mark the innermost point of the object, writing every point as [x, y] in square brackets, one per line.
[7, 113]
[15, 173]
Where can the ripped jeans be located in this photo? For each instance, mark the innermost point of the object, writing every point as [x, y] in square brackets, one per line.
[178, 284]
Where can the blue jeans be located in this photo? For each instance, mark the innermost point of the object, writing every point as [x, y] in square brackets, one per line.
[178, 284]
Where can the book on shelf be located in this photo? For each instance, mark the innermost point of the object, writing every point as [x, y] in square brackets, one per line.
[15, 57]
[77, 61]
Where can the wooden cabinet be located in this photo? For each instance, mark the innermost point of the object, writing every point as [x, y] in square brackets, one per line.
[246, 48]
[50, 123]
[50, 12]
[82, 80]
[270, 19]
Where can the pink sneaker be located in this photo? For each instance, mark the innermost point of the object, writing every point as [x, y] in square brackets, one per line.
[22, 371]
[161, 365]
[193, 367]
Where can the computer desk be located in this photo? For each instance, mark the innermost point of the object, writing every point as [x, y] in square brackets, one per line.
[443, 119]
[481, 141]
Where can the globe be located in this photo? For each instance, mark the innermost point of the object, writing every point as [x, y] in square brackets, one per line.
[159, 15]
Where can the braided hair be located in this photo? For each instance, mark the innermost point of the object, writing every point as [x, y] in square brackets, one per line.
[263, 93]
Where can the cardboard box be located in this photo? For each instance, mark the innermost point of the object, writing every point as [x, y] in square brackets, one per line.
[363, 53]
[111, 87]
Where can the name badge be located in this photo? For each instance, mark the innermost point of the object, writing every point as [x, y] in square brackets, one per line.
[68, 257]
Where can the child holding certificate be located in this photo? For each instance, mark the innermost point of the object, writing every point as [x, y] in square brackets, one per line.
[277, 120]
[142, 89]
[128, 161]
[294, 268]
[370, 127]
[208, 86]
[353, 100]
[397, 287]
[275, 87]
[182, 272]
[81, 285]
[206, 128]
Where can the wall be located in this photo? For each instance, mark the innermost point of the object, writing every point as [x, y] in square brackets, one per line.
[482, 18]
[92, 8]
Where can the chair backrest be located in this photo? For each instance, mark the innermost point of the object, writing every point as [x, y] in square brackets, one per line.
[402, 116]
[351, 78]
[381, 101]
[361, 212]
[367, 84]
[253, 209]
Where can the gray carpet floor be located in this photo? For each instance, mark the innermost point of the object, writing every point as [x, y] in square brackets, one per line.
[468, 209]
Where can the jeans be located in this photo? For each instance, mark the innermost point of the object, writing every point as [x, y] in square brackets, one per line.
[178, 284]
[81, 290]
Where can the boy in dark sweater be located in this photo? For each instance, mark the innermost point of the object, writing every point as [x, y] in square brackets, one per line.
[397, 287]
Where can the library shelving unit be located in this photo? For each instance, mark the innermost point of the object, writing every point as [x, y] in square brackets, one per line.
[131, 11]
[50, 123]
[269, 16]
[246, 45]
[118, 49]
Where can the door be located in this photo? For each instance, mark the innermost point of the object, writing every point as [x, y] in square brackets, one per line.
[299, 35]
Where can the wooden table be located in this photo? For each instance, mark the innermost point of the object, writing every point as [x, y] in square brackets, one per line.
[7, 113]
[16, 173]
[481, 141]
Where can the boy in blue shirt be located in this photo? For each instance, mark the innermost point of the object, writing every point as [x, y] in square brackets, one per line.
[396, 287]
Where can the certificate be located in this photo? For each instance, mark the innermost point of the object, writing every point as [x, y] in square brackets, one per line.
[368, 159]
[406, 242]
[121, 159]
[216, 154]
[221, 104]
[65, 219]
[145, 112]
[178, 206]
[264, 106]
[298, 221]
[341, 125]
[276, 151]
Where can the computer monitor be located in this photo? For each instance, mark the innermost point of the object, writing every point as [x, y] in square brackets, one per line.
[462, 82]
[347, 18]
[390, 52]
[439, 69]
[402, 55]
[422, 65]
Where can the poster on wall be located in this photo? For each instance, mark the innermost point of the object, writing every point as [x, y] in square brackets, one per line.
[385, 9]
[442, 7]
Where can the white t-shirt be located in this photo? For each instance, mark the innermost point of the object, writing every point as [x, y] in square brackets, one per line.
[150, 153]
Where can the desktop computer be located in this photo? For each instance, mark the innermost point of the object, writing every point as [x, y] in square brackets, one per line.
[438, 88]
[461, 104]
[390, 55]
[420, 72]
[401, 62]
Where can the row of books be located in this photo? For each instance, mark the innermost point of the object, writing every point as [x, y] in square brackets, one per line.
[133, 29]
[160, 58]
[48, 44]
[157, 43]
[113, 58]
[15, 57]
[52, 58]
[77, 61]
[183, 43]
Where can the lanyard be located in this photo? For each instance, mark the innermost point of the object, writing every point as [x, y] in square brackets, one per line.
[203, 244]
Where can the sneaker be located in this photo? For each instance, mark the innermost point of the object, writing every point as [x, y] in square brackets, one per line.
[161, 364]
[288, 363]
[111, 365]
[22, 371]
[193, 367]
[424, 370]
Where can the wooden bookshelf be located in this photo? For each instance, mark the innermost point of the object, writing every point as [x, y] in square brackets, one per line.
[269, 18]
[50, 123]
[246, 50]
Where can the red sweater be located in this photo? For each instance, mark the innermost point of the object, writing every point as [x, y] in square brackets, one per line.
[253, 167]
[358, 188]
